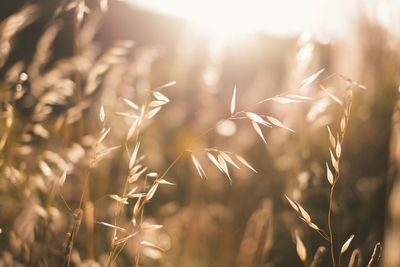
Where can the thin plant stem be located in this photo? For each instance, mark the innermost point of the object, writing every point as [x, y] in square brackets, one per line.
[323, 235]
[337, 175]
[80, 132]
[141, 221]
[330, 223]
[114, 247]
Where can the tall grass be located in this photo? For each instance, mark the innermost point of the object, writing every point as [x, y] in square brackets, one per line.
[86, 173]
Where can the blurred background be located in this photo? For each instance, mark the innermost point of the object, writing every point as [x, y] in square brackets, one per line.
[263, 48]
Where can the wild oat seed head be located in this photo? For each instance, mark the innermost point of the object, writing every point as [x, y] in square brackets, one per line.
[346, 244]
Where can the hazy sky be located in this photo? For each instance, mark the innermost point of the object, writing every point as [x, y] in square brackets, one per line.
[283, 17]
[331, 18]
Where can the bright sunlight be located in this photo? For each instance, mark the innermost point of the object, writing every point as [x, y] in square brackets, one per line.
[230, 18]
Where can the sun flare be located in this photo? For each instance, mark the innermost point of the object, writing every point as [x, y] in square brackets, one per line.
[231, 18]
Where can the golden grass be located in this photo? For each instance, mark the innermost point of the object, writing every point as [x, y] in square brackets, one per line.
[54, 156]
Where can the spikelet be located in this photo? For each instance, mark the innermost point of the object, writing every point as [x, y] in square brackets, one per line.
[342, 124]
[62, 178]
[258, 130]
[335, 163]
[150, 227]
[152, 112]
[133, 157]
[346, 244]
[332, 139]
[300, 248]
[130, 103]
[151, 245]
[338, 150]
[233, 101]
[329, 174]
[245, 163]
[333, 97]
[198, 167]
[228, 159]
[165, 86]
[103, 135]
[293, 204]
[214, 160]
[304, 213]
[102, 114]
[276, 122]
[160, 97]
[224, 167]
[123, 240]
[307, 81]
[285, 100]
[256, 118]
[151, 192]
[113, 226]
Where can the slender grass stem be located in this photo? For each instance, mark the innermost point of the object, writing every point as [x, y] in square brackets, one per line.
[80, 132]
[337, 175]
[330, 223]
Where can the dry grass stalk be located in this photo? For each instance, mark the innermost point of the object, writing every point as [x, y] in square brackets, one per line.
[54, 87]
[221, 159]
[376, 255]
[72, 234]
[335, 145]
[306, 217]
[136, 170]
[355, 259]
[258, 237]
[11, 26]
[335, 163]
[319, 256]
[391, 257]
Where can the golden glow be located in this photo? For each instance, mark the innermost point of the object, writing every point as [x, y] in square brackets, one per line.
[227, 18]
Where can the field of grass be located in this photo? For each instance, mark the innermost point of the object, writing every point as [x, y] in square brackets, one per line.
[128, 140]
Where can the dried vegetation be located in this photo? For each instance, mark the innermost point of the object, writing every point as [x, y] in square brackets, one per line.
[79, 191]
